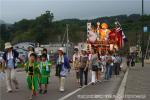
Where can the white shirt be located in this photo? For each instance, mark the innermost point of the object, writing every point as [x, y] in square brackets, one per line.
[9, 55]
[90, 56]
[48, 57]
[103, 60]
[76, 57]
[60, 59]
[113, 59]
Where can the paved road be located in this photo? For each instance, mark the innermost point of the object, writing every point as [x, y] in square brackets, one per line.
[106, 87]
[138, 83]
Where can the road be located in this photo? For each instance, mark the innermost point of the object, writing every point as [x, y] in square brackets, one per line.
[138, 83]
[72, 90]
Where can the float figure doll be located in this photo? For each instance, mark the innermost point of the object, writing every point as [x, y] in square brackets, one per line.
[92, 35]
[112, 39]
[104, 32]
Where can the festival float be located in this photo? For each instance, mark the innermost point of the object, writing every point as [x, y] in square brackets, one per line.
[105, 39]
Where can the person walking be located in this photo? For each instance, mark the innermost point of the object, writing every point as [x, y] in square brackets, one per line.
[44, 73]
[103, 61]
[62, 68]
[9, 60]
[84, 64]
[100, 67]
[111, 71]
[94, 66]
[117, 61]
[76, 64]
[30, 51]
[128, 60]
[47, 55]
[132, 60]
[2, 72]
[108, 65]
[33, 73]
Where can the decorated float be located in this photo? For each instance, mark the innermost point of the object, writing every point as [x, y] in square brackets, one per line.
[101, 37]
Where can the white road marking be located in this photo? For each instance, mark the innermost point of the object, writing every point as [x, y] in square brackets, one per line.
[70, 94]
[121, 90]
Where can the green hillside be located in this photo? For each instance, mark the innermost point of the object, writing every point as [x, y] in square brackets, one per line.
[43, 29]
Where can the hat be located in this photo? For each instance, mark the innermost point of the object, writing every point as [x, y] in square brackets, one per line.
[8, 45]
[76, 49]
[30, 46]
[61, 49]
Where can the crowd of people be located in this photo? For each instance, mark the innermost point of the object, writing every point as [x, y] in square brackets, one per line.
[38, 68]
[98, 63]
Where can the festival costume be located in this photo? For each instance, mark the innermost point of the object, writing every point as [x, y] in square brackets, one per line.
[32, 75]
[45, 72]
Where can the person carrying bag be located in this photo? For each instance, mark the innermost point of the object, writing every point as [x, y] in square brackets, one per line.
[95, 67]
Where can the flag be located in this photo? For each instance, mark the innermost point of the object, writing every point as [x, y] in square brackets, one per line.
[120, 34]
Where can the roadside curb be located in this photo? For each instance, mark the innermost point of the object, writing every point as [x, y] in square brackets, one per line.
[121, 90]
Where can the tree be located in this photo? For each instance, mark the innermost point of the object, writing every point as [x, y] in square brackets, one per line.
[3, 32]
[45, 20]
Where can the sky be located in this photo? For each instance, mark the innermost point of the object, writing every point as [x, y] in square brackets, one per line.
[15, 10]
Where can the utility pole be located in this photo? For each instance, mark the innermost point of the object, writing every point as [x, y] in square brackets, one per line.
[67, 40]
[142, 34]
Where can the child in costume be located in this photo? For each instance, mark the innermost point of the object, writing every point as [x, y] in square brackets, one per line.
[32, 69]
[38, 59]
[45, 73]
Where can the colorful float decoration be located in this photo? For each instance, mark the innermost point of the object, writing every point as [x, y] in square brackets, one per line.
[105, 39]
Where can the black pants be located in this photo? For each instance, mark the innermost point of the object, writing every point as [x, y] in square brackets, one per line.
[116, 68]
[77, 75]
[85, 73]
[58, 70]
[128, 63]
[132, 63]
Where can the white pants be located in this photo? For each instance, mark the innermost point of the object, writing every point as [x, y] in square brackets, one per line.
[62, 83]
[93, 80]
[10, 77]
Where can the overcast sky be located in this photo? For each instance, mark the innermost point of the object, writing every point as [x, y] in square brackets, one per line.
[15, 10]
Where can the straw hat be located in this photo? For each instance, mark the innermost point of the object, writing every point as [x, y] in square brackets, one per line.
[61, 49]
[8, 45]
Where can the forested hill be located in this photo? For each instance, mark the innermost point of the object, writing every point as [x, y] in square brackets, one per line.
[43, 29]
